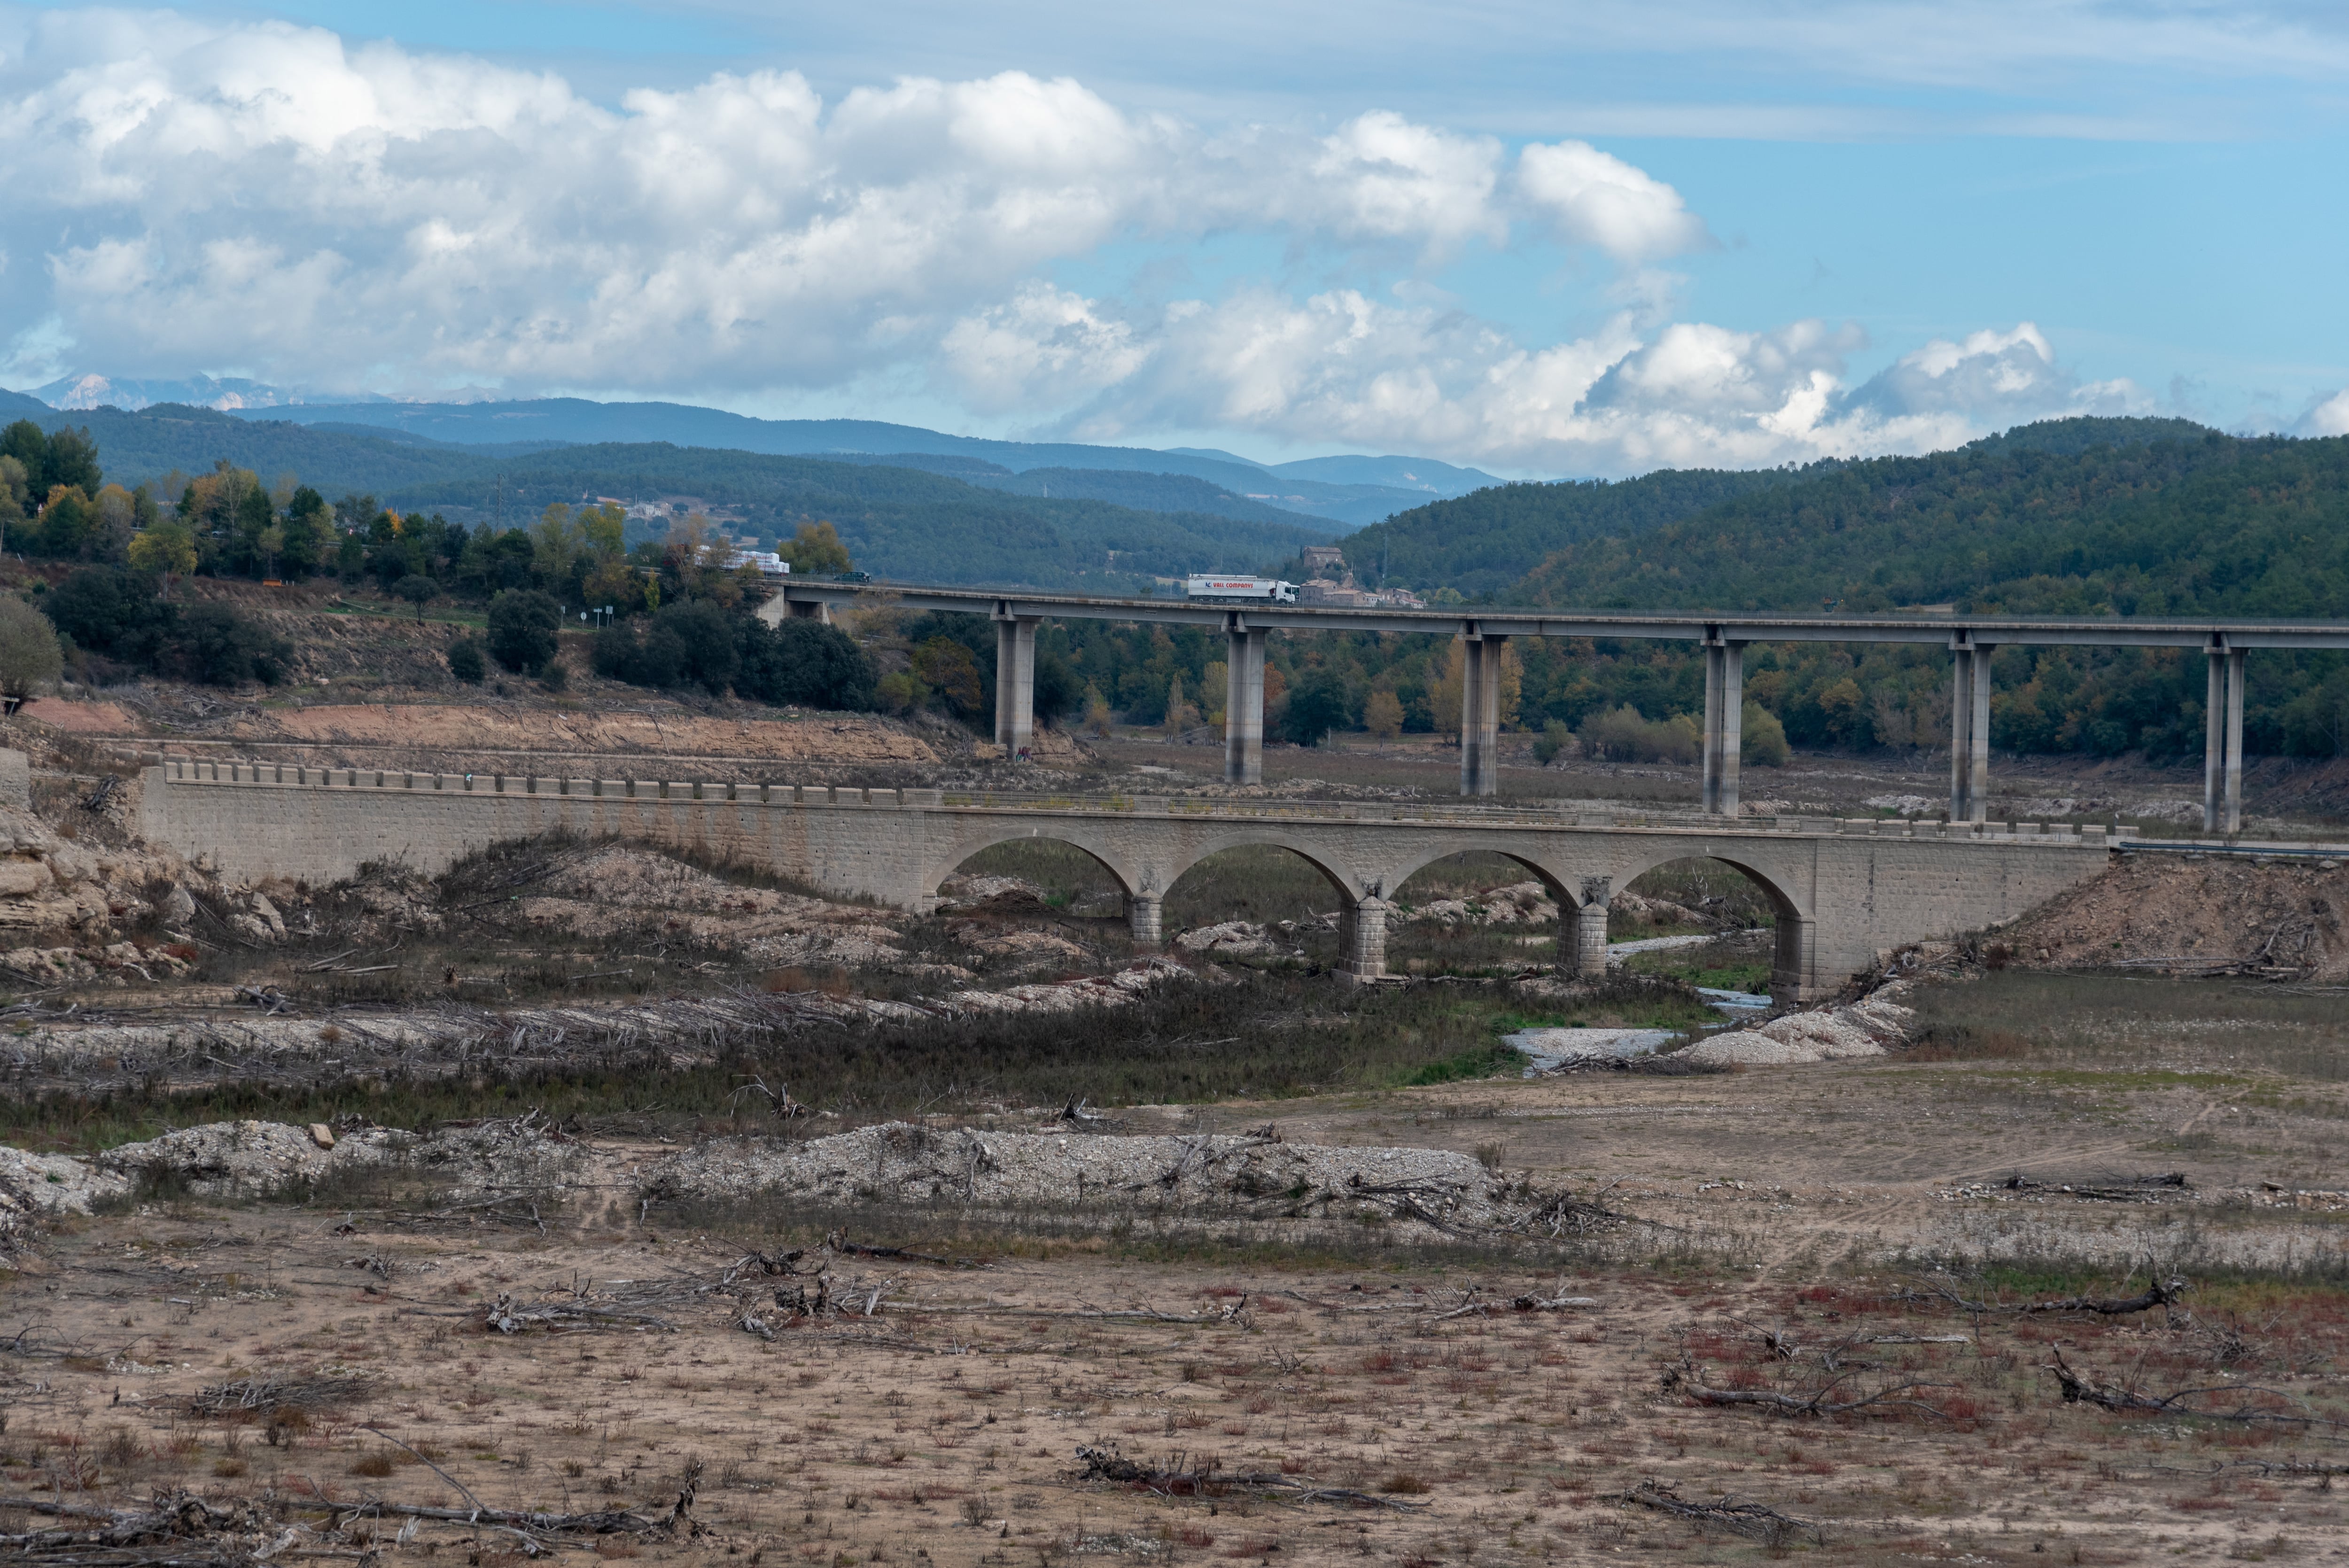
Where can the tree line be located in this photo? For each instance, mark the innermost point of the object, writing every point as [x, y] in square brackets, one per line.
[674, 613]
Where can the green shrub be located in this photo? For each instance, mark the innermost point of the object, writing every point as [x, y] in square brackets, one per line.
[1763, 740]
[465, 660]
[1620, 735]
[805, 664]
[1554, 739]
[523, 625]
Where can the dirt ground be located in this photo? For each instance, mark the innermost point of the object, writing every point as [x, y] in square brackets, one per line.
[1313, 1397]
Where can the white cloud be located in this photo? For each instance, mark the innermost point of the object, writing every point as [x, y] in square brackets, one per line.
[1045, 348]
[2010, 376]
[1598, 200]
[2329, 416]
[264, 199]
[1343, 369]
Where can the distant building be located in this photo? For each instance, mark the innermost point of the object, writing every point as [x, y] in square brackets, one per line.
[1329, 583]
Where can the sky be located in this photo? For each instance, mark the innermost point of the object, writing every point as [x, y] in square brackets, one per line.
[1559, 239]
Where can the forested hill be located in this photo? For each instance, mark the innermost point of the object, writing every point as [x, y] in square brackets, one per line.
[2046, 525]
[1483, 541]
[901, 523]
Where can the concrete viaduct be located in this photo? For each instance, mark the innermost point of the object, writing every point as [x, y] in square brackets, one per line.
[1969, 639]
[1845, 892]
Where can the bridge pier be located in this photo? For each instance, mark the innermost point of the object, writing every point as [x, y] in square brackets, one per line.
[1582, 933]
[1015, 684]
[1142, 918]
[1362, 933]
[1791, 974]
[1243, 705]
[801, 610]
[1970, 734]
[1724, 724]
[1480, 714]
[2222, 743]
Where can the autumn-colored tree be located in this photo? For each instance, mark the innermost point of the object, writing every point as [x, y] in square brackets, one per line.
[1383, 715]
[815, 548]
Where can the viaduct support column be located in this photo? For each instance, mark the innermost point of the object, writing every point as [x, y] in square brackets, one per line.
[1724, 725]
[1480, 716]
[2214, 741]
[1015, 684]
[2233, 816]
[1243, 705]
[1970, 735]
[1362, 933]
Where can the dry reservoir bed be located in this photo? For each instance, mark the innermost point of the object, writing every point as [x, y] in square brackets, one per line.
[1943, 1306]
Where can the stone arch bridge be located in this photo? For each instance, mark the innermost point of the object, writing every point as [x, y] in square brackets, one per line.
[1845, 891]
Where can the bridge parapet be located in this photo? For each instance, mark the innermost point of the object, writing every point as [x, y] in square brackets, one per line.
[1547, 816]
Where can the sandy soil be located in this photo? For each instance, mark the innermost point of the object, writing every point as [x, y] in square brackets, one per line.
[2198, 916]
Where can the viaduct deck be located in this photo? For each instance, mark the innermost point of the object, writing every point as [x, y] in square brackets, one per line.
[1845, 892]
[1485, 629]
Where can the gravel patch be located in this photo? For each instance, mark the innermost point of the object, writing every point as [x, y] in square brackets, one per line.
[1865, 1028]
[1551, 1050]
[1248, 1175]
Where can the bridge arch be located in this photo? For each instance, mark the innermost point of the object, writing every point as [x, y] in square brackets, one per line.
[1551, 879]
[985, 834]
[1342, 877]
[1794, 957]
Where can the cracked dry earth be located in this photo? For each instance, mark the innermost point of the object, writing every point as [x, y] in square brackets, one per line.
[1336, 1398]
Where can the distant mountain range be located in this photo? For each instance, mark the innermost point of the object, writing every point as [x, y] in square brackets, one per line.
[1344, 491]
[1340, 490]
[1107, 531]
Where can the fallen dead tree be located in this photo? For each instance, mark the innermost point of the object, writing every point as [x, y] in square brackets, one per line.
[2126, 1190]
[1751, 1520]
[1172, 1479]
[2158, 1292]
[2124, 1399]
[1822, 1401]
[176, 1530]
[267, 1394]
[509, 1316]
[1473, 1304]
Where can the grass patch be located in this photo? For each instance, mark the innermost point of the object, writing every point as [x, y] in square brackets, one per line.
[1267, 1036]
[1753, 975]
[1490, 1061]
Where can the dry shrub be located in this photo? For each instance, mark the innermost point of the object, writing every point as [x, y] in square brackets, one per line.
[1403, 1484]
[377, 1464]
[1965, 1043]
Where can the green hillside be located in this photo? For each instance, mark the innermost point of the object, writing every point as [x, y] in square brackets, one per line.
[898, 521]
[1483, 541]
[2207, 525]
[2075, 517]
